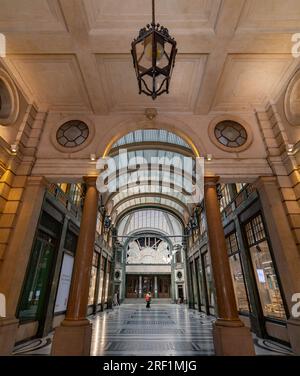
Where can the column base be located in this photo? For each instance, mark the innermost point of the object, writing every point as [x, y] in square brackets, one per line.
[72, 340]
[8, 333]
[231, 339]
[293, 327]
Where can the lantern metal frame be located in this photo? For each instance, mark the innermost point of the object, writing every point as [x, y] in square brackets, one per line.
[158, 34]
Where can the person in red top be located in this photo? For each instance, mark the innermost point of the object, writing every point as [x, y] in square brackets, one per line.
[148, 299]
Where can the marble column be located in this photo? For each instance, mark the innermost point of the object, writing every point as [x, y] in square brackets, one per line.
[140, 286]
[74, 335]
[155, 287]
[230, 335]
[285, 251]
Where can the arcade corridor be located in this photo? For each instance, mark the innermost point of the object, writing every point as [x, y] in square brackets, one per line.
[164, 330]
[149, 160]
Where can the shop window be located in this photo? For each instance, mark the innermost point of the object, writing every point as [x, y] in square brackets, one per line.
[264, 271]
[107, 281]
[38, 278]
[202, 285]
[225, 196]
[199, 274]
[239, 187]
[93, 278]
[100, 290]
[202, 224]
[237, 273]
[76, 194]
[132, 286]
[99, 223]
[101, 279]
[64, 284]
[70, 241]
[64, 187]
[193, 280]
[209, 282]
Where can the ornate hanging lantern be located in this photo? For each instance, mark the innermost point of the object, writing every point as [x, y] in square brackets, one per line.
[153, 53]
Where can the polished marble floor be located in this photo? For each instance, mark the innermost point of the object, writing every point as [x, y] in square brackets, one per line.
[162, 330]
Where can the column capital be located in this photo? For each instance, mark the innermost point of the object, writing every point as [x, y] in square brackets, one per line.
[90, 180]
[211, 180]
[262, 180]
[37, 181]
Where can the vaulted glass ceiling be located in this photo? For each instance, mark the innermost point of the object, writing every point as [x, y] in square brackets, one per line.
[147, 189]
[141, 157]
[151, 135]
[150, 201]
[159, 180]
[150, 220]
[150, 174]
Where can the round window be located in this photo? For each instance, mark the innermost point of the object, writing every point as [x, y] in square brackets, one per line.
[230, 134]
[9, 100]
[179, 275]
[117, 275]
[73, 133]
[5, 100]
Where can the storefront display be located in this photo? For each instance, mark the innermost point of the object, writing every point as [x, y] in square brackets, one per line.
[209, 282]
[37, 279]
[107, 281]
[237, 273]
[264, 271]
[64, 284]
[199, 273]
[100, 286]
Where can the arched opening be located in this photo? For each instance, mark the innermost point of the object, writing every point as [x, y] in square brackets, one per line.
[150, 211]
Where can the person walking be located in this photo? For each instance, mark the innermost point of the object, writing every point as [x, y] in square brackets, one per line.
[148, 299]
[116, 299]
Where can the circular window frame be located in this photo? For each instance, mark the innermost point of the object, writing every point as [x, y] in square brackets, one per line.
[70, 150]
[293, 119]
[211, 132]
[13, 97]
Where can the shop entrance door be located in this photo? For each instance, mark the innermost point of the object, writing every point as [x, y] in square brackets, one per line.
[148, 285]
[132, 286]
[164, 286]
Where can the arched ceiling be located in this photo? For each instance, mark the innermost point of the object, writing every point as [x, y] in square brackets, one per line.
[150, 220]
[159, 136]
[160, 185]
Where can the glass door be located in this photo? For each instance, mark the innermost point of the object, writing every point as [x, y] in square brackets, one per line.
[164, 283]
[264, 279]
[37, 279]
[148, 285]
[132, 286]
[209, 283]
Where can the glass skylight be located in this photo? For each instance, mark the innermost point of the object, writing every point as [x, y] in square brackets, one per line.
[151, 135]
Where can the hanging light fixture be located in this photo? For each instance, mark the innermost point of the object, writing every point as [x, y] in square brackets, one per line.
[153, 53]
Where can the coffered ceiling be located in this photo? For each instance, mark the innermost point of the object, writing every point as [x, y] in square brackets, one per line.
[74, 55]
